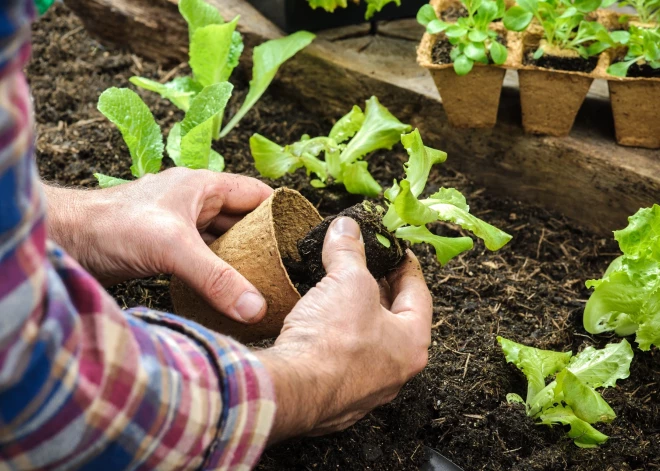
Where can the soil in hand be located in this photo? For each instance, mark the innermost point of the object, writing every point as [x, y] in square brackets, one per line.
[568, 64]
[384, 251]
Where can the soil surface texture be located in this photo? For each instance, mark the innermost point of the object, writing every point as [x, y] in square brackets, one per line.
[453, 13]
[441, 52]
[382, 257]
[569, 64]
[532, 291]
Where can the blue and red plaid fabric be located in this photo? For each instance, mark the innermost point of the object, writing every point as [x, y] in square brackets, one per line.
[83, 384]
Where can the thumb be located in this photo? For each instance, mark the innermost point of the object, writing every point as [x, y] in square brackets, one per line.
[343, 247]
[219, 284]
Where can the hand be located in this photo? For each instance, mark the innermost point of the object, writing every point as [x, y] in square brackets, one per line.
[159, 224]
[344, 349]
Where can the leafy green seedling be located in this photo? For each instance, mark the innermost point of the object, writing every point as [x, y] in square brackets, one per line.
[353, 137]
[571, 398]
[189, 142]
[471, 38]
[627, 299]
[214, 52]
[407, 215]
[564, 25]
[373, 6]
[643, 48]
[647, 10]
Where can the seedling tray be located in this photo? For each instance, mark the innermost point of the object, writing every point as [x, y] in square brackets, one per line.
[296, 15]
[551, 99]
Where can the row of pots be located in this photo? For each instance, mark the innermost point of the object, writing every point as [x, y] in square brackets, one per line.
[550, 99]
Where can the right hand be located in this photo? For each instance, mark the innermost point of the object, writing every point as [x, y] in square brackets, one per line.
[347, 348]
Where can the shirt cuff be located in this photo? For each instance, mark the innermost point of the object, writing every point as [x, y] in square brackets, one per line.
[248, 402]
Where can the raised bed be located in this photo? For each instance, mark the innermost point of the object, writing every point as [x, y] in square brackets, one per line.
[531, 290]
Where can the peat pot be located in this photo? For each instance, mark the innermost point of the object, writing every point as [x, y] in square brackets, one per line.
[256, 247]
[295, 15]
[470, 101]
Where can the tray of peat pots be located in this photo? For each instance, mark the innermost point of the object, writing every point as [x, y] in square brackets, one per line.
[279, 246]
[465, 50]
[633, 76]
[559, 53]
[295, 15]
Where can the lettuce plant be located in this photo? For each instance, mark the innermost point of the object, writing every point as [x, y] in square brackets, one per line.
[354, 136]
[571, 398]
[564, 25]
[471, 38]
[627, 299]
[215, 50]
[643, 48]
[373, 6]
[407, 215]
[647, 10]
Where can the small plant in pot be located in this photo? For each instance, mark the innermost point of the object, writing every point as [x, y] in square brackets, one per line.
[634, 81]
[279, 247]
[460, 56]
[648, 11]
[342, 173]
[560, 50]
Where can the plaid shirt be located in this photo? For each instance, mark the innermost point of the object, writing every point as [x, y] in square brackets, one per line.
[84, 384]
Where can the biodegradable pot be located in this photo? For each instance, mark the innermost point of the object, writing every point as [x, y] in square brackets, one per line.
[294, 15]
[636, 109]
[470, 101]
[255, 247]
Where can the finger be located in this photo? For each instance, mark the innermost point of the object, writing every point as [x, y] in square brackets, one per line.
[410, 295]
[219, 284]
[222, 224]
[343, 247]
[241, 194]
[385, 294]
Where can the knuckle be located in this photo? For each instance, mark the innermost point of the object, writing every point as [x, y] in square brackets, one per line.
[220, 282]
[419, 362]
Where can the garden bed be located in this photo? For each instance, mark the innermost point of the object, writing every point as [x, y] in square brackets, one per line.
[531, 290]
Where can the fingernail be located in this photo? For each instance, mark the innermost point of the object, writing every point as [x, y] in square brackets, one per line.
[249, 305]
[346, 227]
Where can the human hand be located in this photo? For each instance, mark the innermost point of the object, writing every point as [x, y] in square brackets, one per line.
[348, 346]
[159, 224]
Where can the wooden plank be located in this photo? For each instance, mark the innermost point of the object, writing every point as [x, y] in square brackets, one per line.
[586, 176]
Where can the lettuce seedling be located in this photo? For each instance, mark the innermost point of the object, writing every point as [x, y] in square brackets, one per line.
[643, 48]
[571, 398]
[189, 142]
[214, 52]
[354, 136]
[564, 25]
[471, 38]
[407, 215]
[373, 6]
[627, 299]
[647, 10]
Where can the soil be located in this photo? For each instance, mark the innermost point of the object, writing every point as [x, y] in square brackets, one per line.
[643, 71]
[532, 291]
[569, 64]
[381, 260]
[453, 13]
[441, 52]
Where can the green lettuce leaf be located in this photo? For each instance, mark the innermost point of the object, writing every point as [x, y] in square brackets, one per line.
[603, 367]
[328, 5]
[585, 402]
[421, 160]
[347, 126]
[641, 239]
[108, 182]
[410, 209]
[199, 14]
[583, 434]
[380, 130]
[535, 364]
[267, 58]
[374, 6]
[211, 52]
[446, 248]
[138, 127]
[179, 91]
[358, 180]
[274, 161]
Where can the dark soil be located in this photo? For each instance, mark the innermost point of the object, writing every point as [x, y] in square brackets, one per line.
[381, 260]
[453, 13]
[532, 291]
[569, 64]
[643, 71]
[441, 52]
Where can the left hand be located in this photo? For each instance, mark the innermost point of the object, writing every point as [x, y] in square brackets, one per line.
[161, 224]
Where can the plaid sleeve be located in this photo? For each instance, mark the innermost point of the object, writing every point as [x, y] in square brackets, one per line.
[84, 385]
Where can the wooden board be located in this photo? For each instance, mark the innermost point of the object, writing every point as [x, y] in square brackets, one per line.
[585, 176]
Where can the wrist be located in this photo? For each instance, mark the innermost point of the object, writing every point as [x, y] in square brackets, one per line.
[304, 390]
